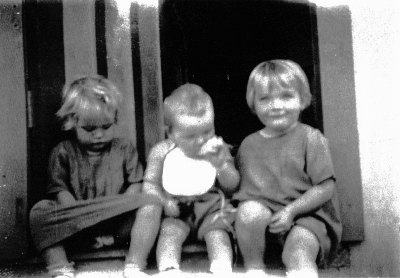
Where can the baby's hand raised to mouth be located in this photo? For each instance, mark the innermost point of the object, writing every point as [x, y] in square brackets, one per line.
[212, 146]
[216, 151]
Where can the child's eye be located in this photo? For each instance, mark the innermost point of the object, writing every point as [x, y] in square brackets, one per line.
[287, 96]
[93, 128]
[88, 128]
[265, 98]
[107, 126]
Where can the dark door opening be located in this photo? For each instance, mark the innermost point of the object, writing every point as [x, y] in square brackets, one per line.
[216, 44]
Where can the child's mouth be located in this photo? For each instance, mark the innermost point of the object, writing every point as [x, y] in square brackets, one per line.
[277, 114]
[97, 146]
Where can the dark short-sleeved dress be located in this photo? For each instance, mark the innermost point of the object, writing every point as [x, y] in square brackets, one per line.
[278, 170]
[96, 182]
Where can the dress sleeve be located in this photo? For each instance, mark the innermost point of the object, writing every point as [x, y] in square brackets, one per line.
[318, 158]
[134, 168]
[58, 170]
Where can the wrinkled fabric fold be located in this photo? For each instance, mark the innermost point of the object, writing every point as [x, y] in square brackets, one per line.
[51, 223]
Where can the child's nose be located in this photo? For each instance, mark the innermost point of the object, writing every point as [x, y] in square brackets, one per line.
[98, 133]
[277, 103]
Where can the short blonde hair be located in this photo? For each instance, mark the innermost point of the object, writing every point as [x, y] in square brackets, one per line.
[89, 94]
[188, 99]
[285, 71]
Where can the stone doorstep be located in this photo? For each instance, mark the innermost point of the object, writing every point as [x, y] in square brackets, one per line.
[194, 258]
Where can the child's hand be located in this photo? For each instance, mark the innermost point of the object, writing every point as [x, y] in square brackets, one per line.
[216, 151]
[282, 221]
[65, 198]
[133, 189]
[211, 146]
[171, 208]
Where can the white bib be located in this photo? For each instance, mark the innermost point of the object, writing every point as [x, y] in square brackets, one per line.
[186, 176]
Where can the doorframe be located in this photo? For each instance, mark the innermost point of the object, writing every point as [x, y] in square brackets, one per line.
[340, 113]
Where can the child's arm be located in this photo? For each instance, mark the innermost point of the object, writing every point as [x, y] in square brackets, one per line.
[133, 169]
[154, 190]
[222, 160]
[310, 201]
[152, 177]
[58, 175]
[228, 176]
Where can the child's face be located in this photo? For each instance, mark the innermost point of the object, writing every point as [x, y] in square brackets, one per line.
[94, 133]
[277, 107]
[190, 133]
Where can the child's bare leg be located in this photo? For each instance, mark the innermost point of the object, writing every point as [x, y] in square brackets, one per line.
[169, 248]
[300, 253]
[143, 235]
[219, 251]
[57, 262]
[251, 221]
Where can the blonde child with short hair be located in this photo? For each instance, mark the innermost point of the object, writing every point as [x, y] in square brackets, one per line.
[189, 172]
[287, 190]
[87, 176]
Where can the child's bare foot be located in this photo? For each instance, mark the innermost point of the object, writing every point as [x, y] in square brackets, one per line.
[171, 273]
[61, 271]
[132, 271]
[256, 272]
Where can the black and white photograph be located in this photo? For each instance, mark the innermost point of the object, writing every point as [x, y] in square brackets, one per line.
[199, 138]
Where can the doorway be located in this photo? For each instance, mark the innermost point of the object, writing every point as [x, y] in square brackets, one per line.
[216, 44]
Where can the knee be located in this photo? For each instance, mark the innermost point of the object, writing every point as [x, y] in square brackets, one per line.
[301, 248]
[252, 213]
[173, 228]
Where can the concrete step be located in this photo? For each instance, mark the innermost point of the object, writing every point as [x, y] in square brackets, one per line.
[109, 262]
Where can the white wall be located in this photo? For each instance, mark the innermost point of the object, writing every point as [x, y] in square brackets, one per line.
[375, 29]
[376, 43]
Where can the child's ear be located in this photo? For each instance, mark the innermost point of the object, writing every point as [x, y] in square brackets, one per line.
[70, 123]
[303, 106]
